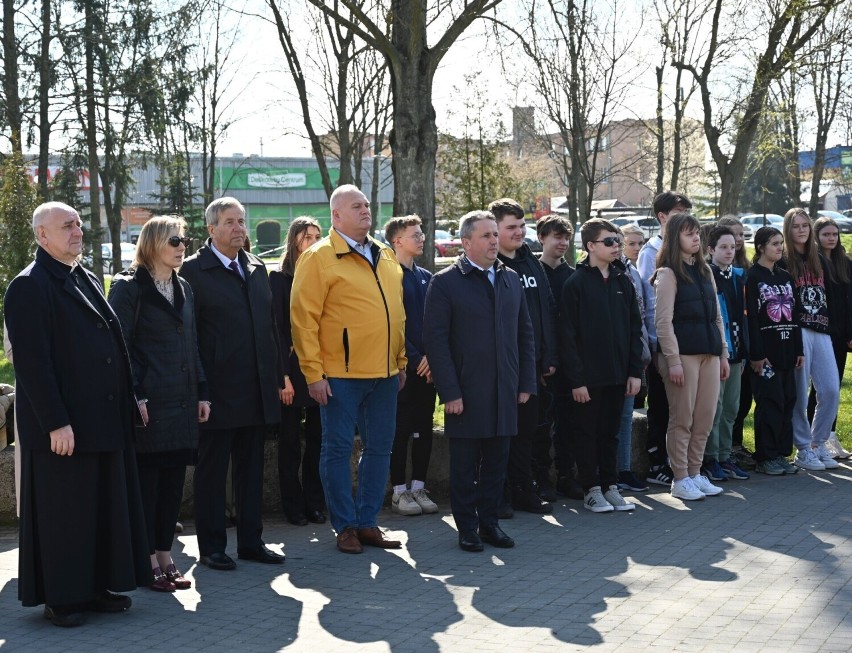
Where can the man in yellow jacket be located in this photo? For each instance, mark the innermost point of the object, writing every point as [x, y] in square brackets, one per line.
[348, 324]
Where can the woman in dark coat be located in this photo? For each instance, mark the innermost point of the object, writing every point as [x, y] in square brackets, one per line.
[155, 308]
[302, 501]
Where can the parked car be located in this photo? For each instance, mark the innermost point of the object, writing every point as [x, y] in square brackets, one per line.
[446, 245]
[844, 224]
[753, 221]
[649, 226]
[128, 254]
[531, 237]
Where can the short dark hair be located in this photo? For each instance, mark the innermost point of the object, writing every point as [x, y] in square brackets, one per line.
[554, 224]
[396, 225]
[505, 206]
[668, 199]
[716, 233]
[591, 228]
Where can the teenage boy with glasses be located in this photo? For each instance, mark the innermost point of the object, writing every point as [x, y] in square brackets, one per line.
[601, 337]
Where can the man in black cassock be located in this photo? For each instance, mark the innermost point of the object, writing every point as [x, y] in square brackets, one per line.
[82, 530]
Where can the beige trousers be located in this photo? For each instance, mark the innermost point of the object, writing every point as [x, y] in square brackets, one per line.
[692, 408]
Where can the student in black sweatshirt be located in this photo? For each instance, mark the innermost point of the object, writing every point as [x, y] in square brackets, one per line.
[525, 492]
[775, 351]
[601, 339]
[556, 236]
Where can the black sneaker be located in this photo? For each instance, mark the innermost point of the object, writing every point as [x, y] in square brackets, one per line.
[629, 481]
[661, 475]
[743, 458]
[528, 501]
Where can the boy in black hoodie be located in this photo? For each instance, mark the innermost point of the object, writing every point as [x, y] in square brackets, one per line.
[601, 338]
[526, 494]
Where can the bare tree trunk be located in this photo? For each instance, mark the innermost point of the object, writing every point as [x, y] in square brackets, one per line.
[44, 85]
[92, 143]
[661, 135]
[10, 77]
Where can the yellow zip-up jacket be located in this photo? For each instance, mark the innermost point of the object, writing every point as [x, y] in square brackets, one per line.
[347, 317]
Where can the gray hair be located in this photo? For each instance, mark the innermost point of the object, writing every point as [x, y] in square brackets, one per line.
[217, 206]
[43, 210]
[338, 192]
[470, 219]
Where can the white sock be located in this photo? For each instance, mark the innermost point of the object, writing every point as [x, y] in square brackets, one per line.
[417, 485]
[399, 489]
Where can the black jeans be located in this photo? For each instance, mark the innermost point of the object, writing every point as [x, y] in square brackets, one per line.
[299, 496]
[415, 409]
[520, 472]
[658, 416]
[596, 436]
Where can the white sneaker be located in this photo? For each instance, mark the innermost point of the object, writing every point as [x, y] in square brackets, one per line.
[426, 504]
[825, 456]
[595, 501]
[613, 496]
[704, 485]
[837, 448]
[807, 459]
[403, 503]
[685, 489]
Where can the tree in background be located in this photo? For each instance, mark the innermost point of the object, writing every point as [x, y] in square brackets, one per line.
[18, 200]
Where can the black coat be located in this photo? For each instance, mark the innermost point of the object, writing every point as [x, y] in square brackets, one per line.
[166, 367]
[71, 363]
[237, 339]
[282, 286]
[479, 342]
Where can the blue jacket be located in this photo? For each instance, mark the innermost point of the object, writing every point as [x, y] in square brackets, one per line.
[414, 285]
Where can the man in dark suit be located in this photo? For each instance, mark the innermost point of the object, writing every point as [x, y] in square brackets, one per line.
[238, 343]
[479, 339]
[82, 530]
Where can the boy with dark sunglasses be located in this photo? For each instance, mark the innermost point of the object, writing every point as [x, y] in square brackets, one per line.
[601, 337]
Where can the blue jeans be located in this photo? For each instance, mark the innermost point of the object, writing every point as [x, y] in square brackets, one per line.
[371, 404]
[625, 436]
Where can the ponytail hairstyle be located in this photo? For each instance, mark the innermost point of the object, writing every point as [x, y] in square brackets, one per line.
[761, 237]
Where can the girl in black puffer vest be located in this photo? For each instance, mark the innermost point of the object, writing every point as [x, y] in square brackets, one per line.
[693, 352]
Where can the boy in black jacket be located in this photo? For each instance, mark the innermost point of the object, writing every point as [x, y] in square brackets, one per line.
[601, 331]
[526, 493]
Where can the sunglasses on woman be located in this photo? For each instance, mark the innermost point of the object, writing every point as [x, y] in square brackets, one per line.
[176, 241]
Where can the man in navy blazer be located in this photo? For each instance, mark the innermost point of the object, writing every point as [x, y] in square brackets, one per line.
[238, 343]
[479, 339]
[82, 530]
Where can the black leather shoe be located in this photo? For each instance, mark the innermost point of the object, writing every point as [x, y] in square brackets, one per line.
[315, 516]
[218, 561]
[469, 541]
[546, 491]
[297, 520]
[495, 536]
[63, 617]
[264, 554]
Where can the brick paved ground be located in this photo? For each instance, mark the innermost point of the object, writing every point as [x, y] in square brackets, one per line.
[764, 567]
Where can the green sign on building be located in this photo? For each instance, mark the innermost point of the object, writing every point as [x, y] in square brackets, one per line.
[251, 178]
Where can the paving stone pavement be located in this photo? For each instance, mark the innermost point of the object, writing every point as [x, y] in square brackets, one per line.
[767, 566]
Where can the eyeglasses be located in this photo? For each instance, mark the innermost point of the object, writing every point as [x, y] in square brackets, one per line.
[419, 236]
[176, 241]
[609, 241]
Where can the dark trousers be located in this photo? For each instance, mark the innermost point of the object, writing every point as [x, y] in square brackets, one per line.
[775, 400]
[596, 436]
[215, 448]
[543, 437]
[477, 474]
[520, 473]
[300, 496]
[162, 492]
[745, 408]
[658, 416]
[415, 408]
[840, 353]
[563, 449]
